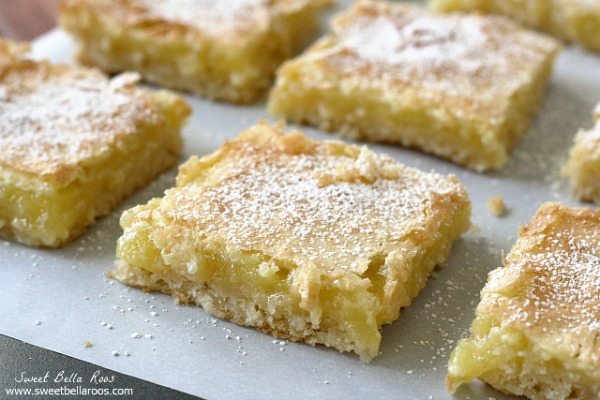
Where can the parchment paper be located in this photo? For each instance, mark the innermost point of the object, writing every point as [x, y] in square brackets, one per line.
[58, 299]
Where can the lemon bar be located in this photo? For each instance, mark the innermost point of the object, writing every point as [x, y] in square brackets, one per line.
[537, 328]
[320, 242]
[583, 166]
[74, 143]
[571, 20]
[463, 87]
[224, 50]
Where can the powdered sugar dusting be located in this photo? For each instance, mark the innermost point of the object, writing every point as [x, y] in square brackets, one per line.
[567, 282]
[314, 208]
[557, 265]
[425, 40]
[471, 56]
[53, 117]
[378, 41]
[210, 16]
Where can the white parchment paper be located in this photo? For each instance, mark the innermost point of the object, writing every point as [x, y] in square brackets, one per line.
[58, 299]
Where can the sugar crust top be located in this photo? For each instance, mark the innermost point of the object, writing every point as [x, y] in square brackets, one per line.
[326, 204]
[55, 118]
[475, 61]
[549, 287]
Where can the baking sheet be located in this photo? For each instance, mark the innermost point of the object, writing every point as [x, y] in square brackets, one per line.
[58, 299]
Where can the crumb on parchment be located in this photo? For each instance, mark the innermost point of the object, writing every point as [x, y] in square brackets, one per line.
[496, 206]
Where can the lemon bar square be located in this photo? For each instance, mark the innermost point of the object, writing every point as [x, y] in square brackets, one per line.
[583, 166]
[571, 20]
[537, 328]
[320, 242]
[224, 50]
[463, 87]
[74, 143]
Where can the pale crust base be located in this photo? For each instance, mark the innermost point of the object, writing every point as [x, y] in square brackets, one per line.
[238, 311]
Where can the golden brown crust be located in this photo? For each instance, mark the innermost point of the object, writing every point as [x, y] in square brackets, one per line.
[231, 308]
[57, 118]
[67, 136]
[164, 24]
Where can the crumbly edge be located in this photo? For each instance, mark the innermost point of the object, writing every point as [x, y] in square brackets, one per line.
[532, 372]
[530, 383]
[204, 69]
[226, 307]
[141, 175]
